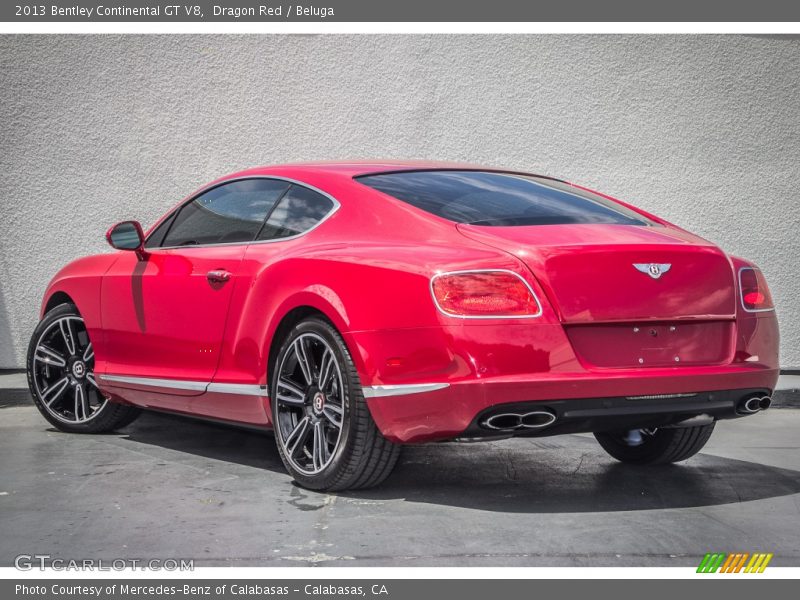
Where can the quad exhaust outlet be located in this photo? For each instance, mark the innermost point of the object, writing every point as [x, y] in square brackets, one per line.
[507, 422]
[535, 419]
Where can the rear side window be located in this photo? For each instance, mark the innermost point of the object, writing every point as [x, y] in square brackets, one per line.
[230, 213]
[298, 211]
[500, 199]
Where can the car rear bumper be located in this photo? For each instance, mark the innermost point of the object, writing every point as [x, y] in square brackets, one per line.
[579, 401]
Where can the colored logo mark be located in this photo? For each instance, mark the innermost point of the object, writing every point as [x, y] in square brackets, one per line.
[740, 562]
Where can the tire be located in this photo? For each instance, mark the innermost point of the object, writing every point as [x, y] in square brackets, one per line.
[660, 447]
[67, 396]
[315, 385]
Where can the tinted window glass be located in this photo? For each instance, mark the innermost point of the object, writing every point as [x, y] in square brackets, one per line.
[501, 199]
[298, 211]
[154, 239]
[232, 212]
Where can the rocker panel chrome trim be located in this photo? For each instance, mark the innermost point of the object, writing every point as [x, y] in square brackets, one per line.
[375, 391]
[241, 389]
[174, 384]
[382, 391]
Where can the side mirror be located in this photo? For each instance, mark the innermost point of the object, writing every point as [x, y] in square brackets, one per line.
[127, 235]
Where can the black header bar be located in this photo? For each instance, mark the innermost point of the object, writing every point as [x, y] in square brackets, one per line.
[400, 11]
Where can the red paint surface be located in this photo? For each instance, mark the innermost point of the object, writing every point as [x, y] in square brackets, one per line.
[368, 269]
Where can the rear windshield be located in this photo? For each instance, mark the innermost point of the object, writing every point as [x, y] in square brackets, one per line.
[500, 199]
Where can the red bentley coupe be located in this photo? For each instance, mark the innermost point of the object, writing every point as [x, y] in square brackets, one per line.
[356, 307]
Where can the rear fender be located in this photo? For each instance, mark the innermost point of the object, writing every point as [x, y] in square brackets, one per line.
[352, 288]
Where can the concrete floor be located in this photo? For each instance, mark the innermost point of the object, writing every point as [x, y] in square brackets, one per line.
[174, 488]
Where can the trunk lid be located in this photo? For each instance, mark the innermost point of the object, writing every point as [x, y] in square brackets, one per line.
[603, 273]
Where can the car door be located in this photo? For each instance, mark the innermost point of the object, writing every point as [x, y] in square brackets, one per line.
[300, 210]
[164, 316]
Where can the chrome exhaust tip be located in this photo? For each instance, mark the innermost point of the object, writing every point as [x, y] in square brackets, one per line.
[535, 419]
[504, 421]
[755, 404]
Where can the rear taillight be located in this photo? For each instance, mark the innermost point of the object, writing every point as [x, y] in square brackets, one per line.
[754, 291]
[484, 294]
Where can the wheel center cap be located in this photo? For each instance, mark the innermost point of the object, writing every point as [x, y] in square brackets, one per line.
[318, 401]
[78, 369]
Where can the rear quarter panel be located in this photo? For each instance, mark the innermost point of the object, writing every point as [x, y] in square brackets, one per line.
[358, 287]
[366, 268]
[758, 338]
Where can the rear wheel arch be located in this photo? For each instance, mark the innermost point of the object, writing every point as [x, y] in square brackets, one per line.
[285, 325]
[301, 312]
[361, 456]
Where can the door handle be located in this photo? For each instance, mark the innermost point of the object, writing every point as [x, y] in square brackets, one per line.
[219, 276]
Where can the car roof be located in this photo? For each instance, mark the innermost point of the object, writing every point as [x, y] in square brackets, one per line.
[354, 168]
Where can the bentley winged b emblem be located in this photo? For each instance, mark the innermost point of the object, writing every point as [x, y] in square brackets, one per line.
[655, 270]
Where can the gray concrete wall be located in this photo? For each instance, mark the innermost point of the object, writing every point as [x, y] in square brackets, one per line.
[703, 130]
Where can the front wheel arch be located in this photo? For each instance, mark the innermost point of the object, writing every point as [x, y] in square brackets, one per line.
[56, 299]
[66, 380]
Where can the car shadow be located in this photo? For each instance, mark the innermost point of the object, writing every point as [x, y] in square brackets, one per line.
[566, 474]
[217, 441]
[572, 474]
